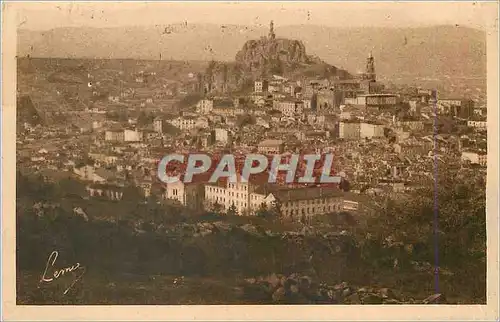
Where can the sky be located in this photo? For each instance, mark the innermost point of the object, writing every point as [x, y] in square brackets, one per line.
[48, 15]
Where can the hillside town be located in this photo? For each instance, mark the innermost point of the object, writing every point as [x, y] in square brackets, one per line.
[178, 161]
[386, 141]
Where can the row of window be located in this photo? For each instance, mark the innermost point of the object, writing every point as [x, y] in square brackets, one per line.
[307, 202]
[221, 200]
[234, 186]
[312, 210]
[223, 191]
[216, 190]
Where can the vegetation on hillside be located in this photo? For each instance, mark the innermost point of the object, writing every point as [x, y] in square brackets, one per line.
[134, 245]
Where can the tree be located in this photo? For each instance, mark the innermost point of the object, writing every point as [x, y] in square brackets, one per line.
[189, 101]
[117, 116]
[262, 211]
[456, 210]
[276, 208]
[345, 185]
[153, 198]
[232, 211]
[144, 118]
[70, 186]
[132, 193]
[272, 212]
[217, 208]
[244, 120]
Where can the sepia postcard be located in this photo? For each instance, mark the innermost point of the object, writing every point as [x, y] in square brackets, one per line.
[250, 160]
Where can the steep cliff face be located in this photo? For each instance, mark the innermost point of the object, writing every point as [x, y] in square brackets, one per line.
[265, 57]
[224, 77]
[285, 57]
[276, 55]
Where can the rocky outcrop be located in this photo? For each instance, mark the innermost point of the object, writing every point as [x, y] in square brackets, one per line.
[302, 289]
[286, 57]
[224, 77]
[266, 57]
[272, 55]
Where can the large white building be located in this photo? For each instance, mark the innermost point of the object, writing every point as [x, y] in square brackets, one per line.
[356, 131]
[205, 106]
[475, 158]
[184, 123]
[158, 125]
[376, 100]
[315, 119]
[480, 125]
[191, 195]
[349, 130]
[221, 135]
[260, 86]
[369, 130]
[289, 108]
[231, 194]
[303, 203]
[132, 136]
[295, 204]
[114, 136]
[271, 147]
[410, 125]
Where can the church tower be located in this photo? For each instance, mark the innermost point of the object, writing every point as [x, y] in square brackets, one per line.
[370, 68]
[272, 36]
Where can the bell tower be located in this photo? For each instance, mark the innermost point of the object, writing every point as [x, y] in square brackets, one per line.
[272, 36]
[370, 68]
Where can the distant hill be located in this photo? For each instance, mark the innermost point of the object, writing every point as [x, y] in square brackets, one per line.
[452, 51]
